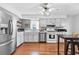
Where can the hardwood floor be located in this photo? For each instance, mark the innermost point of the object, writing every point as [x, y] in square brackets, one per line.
[38, 49]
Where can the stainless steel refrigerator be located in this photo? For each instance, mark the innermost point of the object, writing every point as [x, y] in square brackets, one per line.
[7, 43]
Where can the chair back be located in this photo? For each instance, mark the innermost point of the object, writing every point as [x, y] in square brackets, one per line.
[75, 34]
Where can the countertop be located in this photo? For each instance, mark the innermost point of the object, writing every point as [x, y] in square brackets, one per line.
[31, 31]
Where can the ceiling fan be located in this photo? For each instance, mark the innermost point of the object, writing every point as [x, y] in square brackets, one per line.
[47, 8]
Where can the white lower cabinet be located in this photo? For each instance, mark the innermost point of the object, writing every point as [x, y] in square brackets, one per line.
[36, 37]
[31, 36]
[26, 36]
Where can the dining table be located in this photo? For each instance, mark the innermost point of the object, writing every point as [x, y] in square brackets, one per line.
[66, 38]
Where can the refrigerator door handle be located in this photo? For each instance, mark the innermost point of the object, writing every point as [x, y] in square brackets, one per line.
[10, 27]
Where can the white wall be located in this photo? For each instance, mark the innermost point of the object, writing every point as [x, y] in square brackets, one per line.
[75, 23]
[67, 24]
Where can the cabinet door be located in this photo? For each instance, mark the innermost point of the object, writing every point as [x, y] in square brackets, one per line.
[26, 37]
[36, 38]
[31, 37]
[22, 37]
[18, 39]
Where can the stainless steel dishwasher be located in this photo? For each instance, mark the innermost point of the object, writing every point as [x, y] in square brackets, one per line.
[42, 37]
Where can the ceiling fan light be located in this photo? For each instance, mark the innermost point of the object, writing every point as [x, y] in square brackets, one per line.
[51, 9]
[45, 9]
[41, 12]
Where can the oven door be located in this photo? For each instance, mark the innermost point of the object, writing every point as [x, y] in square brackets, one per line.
[51, 37]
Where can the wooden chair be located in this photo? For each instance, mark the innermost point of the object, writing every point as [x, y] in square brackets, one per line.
[75, 42]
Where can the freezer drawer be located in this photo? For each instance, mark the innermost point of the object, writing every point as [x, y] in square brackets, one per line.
[6, 48]
[4, 38]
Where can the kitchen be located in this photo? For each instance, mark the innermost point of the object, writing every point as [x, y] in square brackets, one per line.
[38, 30]
[35, 28]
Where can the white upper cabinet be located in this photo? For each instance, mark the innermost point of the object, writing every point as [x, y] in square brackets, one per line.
[51, 21]
[46, 21]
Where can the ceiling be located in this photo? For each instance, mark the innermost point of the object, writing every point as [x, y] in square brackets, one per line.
[33, 8]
